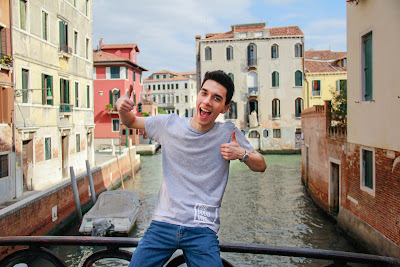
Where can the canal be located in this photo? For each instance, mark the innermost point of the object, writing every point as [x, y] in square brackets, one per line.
[269, 208]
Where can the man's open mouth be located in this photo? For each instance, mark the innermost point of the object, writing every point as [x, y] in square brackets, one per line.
[204, 113]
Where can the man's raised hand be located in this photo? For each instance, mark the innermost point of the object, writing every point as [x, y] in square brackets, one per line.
[232, 150]
[125, 104]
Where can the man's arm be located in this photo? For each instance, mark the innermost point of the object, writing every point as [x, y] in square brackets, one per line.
[232, 151]
[125, 106]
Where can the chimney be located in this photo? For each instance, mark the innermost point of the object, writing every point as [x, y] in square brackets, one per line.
[101, 43]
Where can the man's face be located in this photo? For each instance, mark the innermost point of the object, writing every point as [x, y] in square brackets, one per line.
[210, 103]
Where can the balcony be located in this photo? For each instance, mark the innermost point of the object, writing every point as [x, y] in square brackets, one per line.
[253, 91]
[66, 108]
[252, 62]
[64, 51]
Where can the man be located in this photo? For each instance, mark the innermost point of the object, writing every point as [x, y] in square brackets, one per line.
[196, 154]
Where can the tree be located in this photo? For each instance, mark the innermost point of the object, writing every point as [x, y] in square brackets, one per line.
[339, 105]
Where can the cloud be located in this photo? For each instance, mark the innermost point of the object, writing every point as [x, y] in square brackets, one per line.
[325, 34]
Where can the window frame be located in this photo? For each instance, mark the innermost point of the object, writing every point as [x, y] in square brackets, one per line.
[363, 186]
[298, 78]
[113, 124]
[275, 51]
[276, 133]
[78, 142]
[367, 65]
[46, 100]
[275, 79]
[45, 24]
[111, 72]
[47, 150]
[207, 53]
[7, 155]
[276, 108]
[76, 94]
[298, 107]
[26, 28]
[229, 53]
[298, 50]
[25, 91]
[312, 88]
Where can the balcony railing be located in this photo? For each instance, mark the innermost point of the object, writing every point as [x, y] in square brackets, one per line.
[66, 107]
[251, 62]
[65, 48]
[37, 248]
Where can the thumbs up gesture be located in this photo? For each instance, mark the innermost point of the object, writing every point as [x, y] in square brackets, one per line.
[124, 103]
[232, 150]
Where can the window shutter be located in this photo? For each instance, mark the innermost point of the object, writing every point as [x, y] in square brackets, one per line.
[61, 32]
[43, 90]
[111, 97]
[368, 66]
[50, 89]
[67, 92]
[88, 96]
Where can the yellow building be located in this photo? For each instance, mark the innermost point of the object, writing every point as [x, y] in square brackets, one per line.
[325, 73]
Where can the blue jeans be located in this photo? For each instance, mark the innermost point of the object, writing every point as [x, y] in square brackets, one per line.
[200, 245]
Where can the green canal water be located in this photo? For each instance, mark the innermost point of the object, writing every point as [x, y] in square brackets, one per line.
[269, 208]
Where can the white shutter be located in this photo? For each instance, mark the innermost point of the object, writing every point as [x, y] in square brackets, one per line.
[108, 74]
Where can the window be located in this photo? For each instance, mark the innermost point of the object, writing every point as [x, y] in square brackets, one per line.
[275, 79]
[367, 169]
[87, 49]
[265, 133]
[276, 108]
[229, 53]
[157, 76]
[232, 112]
[3, 165]
[75, 42]
[126, 73]
[275, 51]
[115, 125]
[163, 86]
[75, 3]
[298, 77]
[176, 86]
[87, 96]
[298, 50]
[134, 78]
[231, 76]
[168, 86]
[367, 67]
[177, 99]
[316, 88]
[114, 95]
[23, 14]
[252, 83]
[186, 99]
[64, 96]
[25, 84]
[63, 27]
[47, 147]
[76, 94]
[208, 52]
[158, 87]
[254, 134]
[115, 74]
[298, 106]
[186, 85]
[78, 143]
[47, 89]
[277, 133]
[154, 87]
[251, 55]
[164, 76]
[87, 8]
[172, 86]
[186, 113]
[341, 85]
[2, 39]
[45, 21]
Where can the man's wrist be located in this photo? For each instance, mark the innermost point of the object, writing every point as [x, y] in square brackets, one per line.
[245, 156]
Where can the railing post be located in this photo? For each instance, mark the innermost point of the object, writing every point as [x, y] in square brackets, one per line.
[76, 193]
[91, 184]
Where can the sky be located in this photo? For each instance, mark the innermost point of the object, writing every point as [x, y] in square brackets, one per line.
[165, 30]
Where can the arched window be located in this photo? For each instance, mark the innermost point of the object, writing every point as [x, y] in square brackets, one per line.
[229, 53]
[114, 95]
[274, 51]
[265, 133]
[254, 134]
[251, 55]
[276, 108]
[232, 112]
[252, 83]
[208, 52]
[298, 50]
[275, 79]
[230, 74]
[298, 106]
[298, 77]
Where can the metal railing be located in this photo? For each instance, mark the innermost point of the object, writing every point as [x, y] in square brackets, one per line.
[65, 48]
[66, 107]
[37, 247]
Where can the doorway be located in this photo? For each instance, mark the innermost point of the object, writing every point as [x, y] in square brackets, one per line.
[65, 155]
[334, 188]
[27, 165]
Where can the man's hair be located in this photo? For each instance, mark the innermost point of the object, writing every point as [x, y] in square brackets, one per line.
[223, 79]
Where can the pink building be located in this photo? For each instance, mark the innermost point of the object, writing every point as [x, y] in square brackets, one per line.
[115, 71]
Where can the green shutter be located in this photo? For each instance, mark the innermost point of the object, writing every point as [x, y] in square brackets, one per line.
[67, 92]
[50, 90]
[43, 90]
[61, 33]
[88, 96]
[24, 86]
[368, 66]
[368, 169]
[111, 97]
[76, 94]
[44, 25]
[22, 14]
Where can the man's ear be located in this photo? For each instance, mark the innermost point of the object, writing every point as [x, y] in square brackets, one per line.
[225, 109]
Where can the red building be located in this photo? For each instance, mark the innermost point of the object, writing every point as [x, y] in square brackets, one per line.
[115, 71]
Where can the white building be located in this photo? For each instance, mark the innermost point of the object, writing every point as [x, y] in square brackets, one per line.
[266, 65]
[53, 69]
[174, 92]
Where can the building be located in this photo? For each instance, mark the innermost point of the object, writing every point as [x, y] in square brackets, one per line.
[175, 92]
[54, 90]
[115, 71]
[8, 187]
[266, 65]
[326, 75]
[353, 172]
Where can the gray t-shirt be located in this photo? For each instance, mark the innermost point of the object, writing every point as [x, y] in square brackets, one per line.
[195, 173]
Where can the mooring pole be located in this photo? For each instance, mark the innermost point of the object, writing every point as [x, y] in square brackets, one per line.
[76, 193]
[91, 184]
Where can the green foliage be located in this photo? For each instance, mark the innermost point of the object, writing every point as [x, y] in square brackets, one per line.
[109, 107]
[145, 114]
[339, 106]
[6, 60]
[161, 111]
